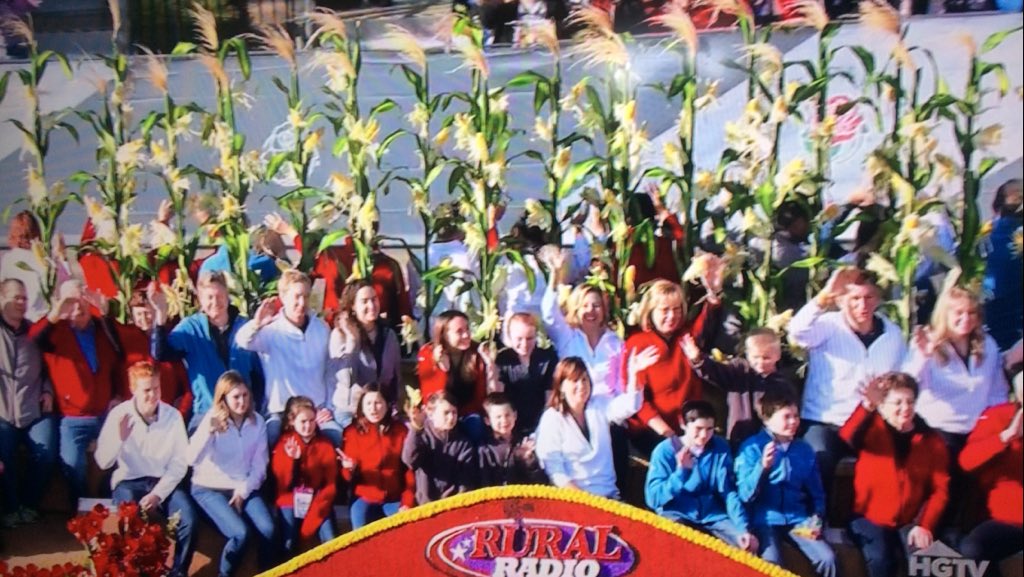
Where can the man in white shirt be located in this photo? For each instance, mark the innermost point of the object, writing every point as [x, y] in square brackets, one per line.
[146, 439]
[292, 345]
[846, 348]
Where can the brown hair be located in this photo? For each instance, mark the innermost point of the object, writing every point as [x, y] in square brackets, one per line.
[141, 370]
[138, 299]
[347, 303]
[468, 371]
[774, 401]
[659, 292]
[360, 420]
[292, 408]
[437, 397]
[940, 324]
[527, 319]
[24, 228]
[228, 382]
[569, 368]
[894, 380]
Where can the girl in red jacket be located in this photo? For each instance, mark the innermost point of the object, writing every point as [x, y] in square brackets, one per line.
[994, 454]
[305, 469]
[372, 460]
[902, 474]
[669, 382]
[452, 363]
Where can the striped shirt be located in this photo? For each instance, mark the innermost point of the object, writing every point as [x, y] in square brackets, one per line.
[839, 363]
[294, 361]
[953, 395]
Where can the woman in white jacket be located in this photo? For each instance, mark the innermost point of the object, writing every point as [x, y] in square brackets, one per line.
[228, 453]
[573, 440]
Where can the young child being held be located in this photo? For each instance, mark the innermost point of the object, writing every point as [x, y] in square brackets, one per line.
[690, 480]
[777, 477]
[744, 380]
[506, 457]
[305, 469]
[526, 371]
[439, 453]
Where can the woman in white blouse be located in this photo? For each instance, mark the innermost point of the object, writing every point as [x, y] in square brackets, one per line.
[958, 367]
[228, 453]
[573, 439]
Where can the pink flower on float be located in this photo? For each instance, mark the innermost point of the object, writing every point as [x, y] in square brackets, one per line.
[848, 124]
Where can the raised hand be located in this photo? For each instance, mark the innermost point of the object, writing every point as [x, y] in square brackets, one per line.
[441, 359]
[292, 448]
[276, 223]
[642, 360]
[165, 212]
[872, 394]
[64, 309]
[125, 427]
[1015, 430]
[923, 340]
[158, 300]
[690, 348]
[324, 415]
[344, 460]
[267, 311]
[713, 277]
[97, 300]
[768, 456]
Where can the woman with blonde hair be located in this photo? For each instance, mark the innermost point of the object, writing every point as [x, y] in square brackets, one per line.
[670, 381]
[228, 453]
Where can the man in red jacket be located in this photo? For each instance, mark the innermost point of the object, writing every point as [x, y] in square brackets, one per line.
[901, 480]
[83, 362]
[994, 454]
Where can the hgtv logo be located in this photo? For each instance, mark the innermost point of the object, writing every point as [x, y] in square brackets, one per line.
[939, 560]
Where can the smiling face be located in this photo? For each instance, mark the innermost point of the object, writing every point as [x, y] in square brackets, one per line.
[592, 313]
[858, 304]
[213, 302]
[667, 314]
[142, 317]
[502, 419]
[457, 334]
[699, 431]
[366, 306]
[898, 408]
[13, 302]
[304, 423]
[763, 356]
[784, 423]
[576, 392]
[237, 401]
[374, 407]
[962, 317]
[146, 393]
[522, 337]
[294, 299]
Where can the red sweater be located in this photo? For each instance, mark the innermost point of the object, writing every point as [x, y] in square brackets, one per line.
[998, 466]
[665, 247]
[99, 271]
[668, 383]
[379, 476]
[433, 379]
[892, 494]
[316, 469]
[175, 389]
[80, 392]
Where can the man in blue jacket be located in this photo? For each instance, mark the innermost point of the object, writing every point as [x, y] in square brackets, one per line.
[690, 480]
[206, 342]
[778, 479]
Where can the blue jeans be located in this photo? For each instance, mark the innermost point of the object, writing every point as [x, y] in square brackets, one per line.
[817, 551]
[724, 529]
[363, 512]
[883, 548]
[290, 527]
[131, 490]
[232, 525]
[829, 449]
[75, 435]
[40, 438]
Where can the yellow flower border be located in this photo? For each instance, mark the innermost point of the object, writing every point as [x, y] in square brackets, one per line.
[529, 492]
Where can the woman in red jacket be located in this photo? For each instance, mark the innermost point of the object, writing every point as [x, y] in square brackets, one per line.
[306, 471]
[669, 382]
[901, 479]
[452, 362]
[994, 454]
[372, 460]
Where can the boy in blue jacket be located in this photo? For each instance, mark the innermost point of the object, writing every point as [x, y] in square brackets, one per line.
[777, 476]
[690, 480]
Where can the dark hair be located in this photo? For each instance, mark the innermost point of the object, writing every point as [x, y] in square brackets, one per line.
[697, 409]
[468, 371]
[292, 407]
[138, 299]
[439, 396]
[774, 401]
[348, 301]
[569, 368]
[789, 212]
[360, 420]
[1003, 203]
[531, 237]
[497, 400]
[896, 380]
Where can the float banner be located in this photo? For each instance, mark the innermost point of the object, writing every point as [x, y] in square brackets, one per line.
[526, 531]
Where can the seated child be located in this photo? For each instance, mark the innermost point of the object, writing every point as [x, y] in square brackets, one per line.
[526, 371]
[507, 458]
[305, 469]
[777, 477]
[440, 455]
[690, 480]
[901, 480]
[744, 380]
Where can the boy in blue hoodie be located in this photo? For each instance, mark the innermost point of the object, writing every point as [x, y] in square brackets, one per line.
[690, 480]
[777, 476]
